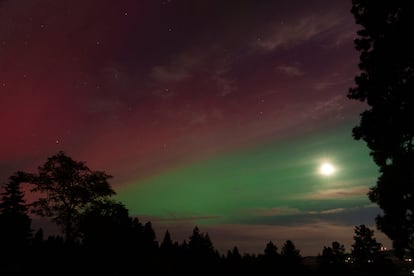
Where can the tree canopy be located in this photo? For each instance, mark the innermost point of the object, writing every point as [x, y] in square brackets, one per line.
[365, 248]
[333, 255]
[386, 85]
[15, 223]
[68, 187]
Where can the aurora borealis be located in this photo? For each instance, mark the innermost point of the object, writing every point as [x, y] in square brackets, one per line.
[210, 113]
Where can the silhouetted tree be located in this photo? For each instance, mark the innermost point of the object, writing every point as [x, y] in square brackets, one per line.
[106, 230]
[67, 188]
[201, 253]
[386, 84]
[15, 223]
[290, 251]
[269, 260]
[167, 242]
[270, 250]
[365, 248]
[332, 260]
[290, 256]
[39, 236]
[150, 238]
[334, 254]
[233, 263]
[234, 255]
[170, 253]
[105, 224]
[200, 243]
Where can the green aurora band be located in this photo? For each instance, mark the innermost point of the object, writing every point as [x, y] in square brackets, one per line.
[277, 181]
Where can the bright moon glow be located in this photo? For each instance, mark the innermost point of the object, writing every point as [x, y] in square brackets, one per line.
[326, 169]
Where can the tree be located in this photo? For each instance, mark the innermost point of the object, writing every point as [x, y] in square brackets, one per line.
[365, 248]
[290, 254]
[150, 244]
[15, 223]
[67, 188]
[201, 246]
[201, 255]
[332, 260]
[334, 254]
[270, 259]
[386, 85]
[105, 225]
[234, 255]
[167, 243]
[106, 229]
[270, 250]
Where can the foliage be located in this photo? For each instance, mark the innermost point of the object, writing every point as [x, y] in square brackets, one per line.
[334, 260]
[365, 248]
[386, 84]
[290, 253]
[200, 243]
[105, 224]
[270, 250]
[234, 255]
[167, 243]
[15, 223]
[68, 187]
[333, 255]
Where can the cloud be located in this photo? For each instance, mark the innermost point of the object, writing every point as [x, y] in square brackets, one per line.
[361, 181]
[166, 74]
[183, 66]
[331, 107]
[297, 216]
[345, 37]
[276, 211]
[174, 218]
[337, 193]
[291, 71]
[329, 211]
[331, 104]
[178, 69]
[283, 211]
[333, 80]
[225, 86]
[293, 33]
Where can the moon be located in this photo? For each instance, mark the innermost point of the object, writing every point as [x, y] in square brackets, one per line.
[326, 169]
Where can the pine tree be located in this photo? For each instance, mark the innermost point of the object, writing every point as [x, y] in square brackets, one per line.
[15, 223]
[365, 248]
[290, 254]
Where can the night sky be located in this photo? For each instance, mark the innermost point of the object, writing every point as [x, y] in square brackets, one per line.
[216, 113]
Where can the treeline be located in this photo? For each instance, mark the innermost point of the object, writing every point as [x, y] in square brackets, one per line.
[99, 237]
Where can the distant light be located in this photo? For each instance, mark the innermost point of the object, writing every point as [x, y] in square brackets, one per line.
[326, 169]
